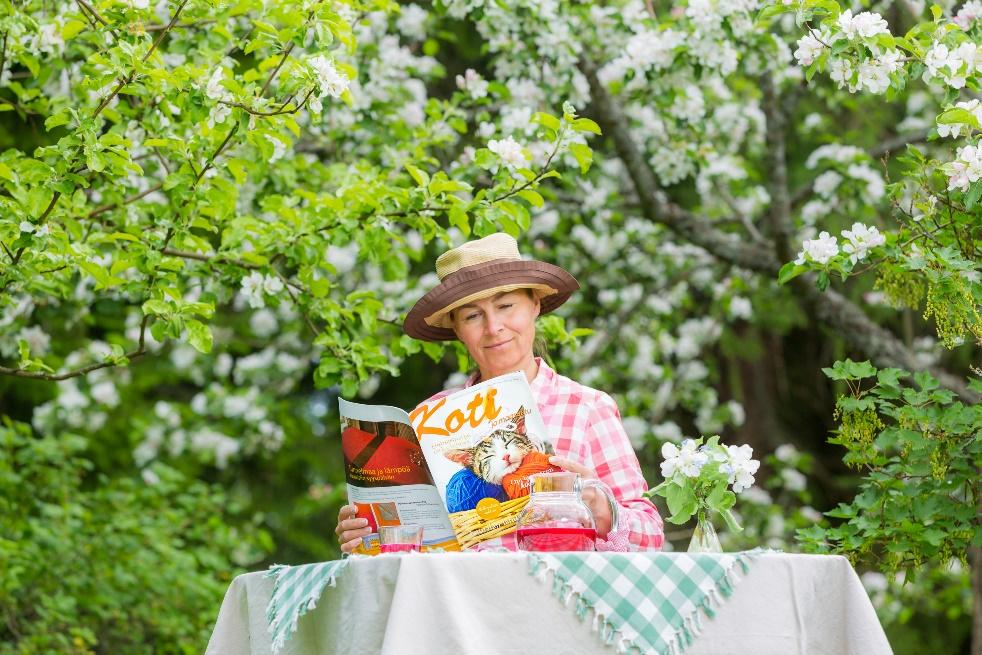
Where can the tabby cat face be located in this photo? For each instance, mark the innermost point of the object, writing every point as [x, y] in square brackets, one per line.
[497, 455]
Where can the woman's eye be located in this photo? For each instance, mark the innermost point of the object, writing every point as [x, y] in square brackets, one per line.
[470, 317]
[505, 306]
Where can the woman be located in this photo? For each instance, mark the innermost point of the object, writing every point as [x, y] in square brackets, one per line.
[489, 298]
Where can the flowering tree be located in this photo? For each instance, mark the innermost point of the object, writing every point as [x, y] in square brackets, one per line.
[211, 209]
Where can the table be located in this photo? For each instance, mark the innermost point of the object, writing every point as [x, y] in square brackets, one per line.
[481, 603]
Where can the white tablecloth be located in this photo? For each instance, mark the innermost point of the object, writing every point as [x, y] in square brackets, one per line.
[481, 603]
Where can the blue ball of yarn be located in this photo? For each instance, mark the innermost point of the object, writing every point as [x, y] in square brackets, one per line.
[465, 489]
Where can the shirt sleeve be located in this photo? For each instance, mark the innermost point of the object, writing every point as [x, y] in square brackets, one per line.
[611, 455]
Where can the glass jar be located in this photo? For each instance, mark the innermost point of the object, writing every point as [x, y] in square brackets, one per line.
[556, 518]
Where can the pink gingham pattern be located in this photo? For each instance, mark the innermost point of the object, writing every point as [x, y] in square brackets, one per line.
[585, 425]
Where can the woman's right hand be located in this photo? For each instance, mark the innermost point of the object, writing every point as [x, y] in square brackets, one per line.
[351, 529]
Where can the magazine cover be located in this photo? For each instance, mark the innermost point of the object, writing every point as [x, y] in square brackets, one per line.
[387, 476]
[481, 444]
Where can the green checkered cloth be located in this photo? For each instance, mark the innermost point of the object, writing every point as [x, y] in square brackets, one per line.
[645, 602]
[296, 590]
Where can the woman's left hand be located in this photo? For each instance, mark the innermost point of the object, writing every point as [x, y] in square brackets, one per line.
[595, 499]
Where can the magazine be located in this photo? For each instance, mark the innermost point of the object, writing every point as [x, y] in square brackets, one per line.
[458, 465]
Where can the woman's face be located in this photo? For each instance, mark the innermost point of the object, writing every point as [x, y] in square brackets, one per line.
[499, 331]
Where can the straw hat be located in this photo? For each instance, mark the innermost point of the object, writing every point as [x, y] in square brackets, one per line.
[481, 269]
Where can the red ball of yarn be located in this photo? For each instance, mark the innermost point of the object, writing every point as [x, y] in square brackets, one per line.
[516, 484]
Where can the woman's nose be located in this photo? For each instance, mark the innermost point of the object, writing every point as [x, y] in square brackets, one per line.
[492, 325]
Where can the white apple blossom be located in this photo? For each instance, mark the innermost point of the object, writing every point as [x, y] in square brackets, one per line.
[865, 24]
[37, 339]
[472, 82]
[819, 250]
[667, 431]
[214, 89]
[218, 114]
[48, 39]
[809, 49]
[793, 479]
[279, 148]
[651, 50]
[860, 239]
[263, 323]
[740, 467]
[27, 226]
[741, 308]
[737, 413]
[966, 169]
[252, 289]
[221, 446]
[969, 12]
[330, 81]
[827, 183]
[105, 392]
[786, 453]
[840, 71]
[636, 429]
[412, 22]
[688, 459]
[510, 152]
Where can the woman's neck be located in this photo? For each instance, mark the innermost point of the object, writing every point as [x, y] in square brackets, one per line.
[530, 368]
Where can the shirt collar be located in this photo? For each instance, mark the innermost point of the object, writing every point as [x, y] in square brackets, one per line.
[539, 384]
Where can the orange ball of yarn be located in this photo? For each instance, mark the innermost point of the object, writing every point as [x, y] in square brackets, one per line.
[516, 484]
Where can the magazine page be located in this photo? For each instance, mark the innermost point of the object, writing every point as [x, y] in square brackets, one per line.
[388, 480]
[481, 444]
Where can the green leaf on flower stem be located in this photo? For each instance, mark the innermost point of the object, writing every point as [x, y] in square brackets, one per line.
[546, 120]
[973, 195]
[583, 155]
[199, 336]
[586, 125]
[56, 120]
[681, 503]
[822, 281]
[721, 499]
[533, 197]
[458, 218]
[156, 307]
[957, 115]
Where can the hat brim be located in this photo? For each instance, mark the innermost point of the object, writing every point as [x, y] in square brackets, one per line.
[471, 281]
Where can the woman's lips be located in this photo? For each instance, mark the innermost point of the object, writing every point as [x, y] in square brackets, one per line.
[497, 345]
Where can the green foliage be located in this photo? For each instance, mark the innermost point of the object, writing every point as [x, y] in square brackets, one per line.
[919, 452]
[97, 565]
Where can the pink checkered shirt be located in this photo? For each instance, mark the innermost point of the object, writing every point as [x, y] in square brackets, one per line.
[585, 426]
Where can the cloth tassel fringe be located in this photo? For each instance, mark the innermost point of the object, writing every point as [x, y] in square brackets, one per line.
[271, 611]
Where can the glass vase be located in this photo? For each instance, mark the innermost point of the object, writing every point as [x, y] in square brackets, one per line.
[704, 539]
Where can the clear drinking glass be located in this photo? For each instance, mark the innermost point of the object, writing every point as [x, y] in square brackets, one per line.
[556, 518]
[404, 538]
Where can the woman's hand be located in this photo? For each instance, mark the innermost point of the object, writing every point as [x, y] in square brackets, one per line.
[351, 529]
[595, 499]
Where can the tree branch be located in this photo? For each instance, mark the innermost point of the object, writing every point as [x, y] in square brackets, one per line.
[57, 377]
[655, 204]
[879, 344]
[779, 216]
[101, 210]
[830, 307]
